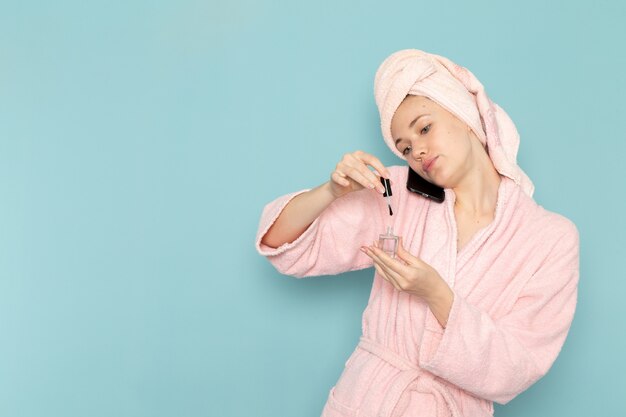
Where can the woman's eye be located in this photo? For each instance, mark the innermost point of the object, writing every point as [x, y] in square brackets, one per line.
[425, 129]
[406, 150]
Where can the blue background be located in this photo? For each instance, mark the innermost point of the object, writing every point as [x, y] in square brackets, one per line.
[139, 142]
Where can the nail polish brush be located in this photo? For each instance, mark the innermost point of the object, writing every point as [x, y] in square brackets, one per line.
[387, 194]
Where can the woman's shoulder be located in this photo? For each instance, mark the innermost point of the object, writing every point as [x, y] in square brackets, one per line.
[547, 221]
[558, 223]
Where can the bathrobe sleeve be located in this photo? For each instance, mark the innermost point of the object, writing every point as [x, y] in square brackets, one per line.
[331, 243]
[498, 359]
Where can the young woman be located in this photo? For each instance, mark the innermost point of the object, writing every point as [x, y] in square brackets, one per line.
[477, 303]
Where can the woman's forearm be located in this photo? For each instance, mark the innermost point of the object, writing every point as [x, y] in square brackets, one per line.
[440, 303]
[298, 215]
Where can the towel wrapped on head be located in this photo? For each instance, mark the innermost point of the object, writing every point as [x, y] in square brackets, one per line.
[414, 72]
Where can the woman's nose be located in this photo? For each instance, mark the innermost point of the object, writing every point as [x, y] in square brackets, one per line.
[418, 151]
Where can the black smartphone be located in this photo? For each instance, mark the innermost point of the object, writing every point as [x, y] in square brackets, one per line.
[419, 185]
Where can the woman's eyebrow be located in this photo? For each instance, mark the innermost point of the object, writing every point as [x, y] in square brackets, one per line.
[412, 123]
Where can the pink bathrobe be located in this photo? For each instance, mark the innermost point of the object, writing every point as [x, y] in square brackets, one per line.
[514, 283]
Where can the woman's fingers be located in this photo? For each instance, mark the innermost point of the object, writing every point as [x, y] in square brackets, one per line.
[366, 160]
[352, 173]
[389, 263]
[384, 275]
[393, 276]
[375, 163]
[406, 255]
[364, 177]
[355, 166]
[340, 179]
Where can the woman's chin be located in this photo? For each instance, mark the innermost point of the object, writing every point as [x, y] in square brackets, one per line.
[433, 178]
[439, 179]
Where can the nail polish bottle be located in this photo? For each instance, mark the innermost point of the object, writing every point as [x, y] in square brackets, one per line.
[388, 242]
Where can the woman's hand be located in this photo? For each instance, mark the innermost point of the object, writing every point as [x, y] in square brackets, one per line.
[352, 174]
[411, 274]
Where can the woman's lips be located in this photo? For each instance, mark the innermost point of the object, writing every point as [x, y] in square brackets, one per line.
[428, 164]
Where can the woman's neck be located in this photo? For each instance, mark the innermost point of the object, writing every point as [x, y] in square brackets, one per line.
[477, 195]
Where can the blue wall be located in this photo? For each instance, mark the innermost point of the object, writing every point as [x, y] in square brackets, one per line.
[140, 140]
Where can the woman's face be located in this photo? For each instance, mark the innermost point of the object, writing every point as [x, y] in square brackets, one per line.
[436, 144]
